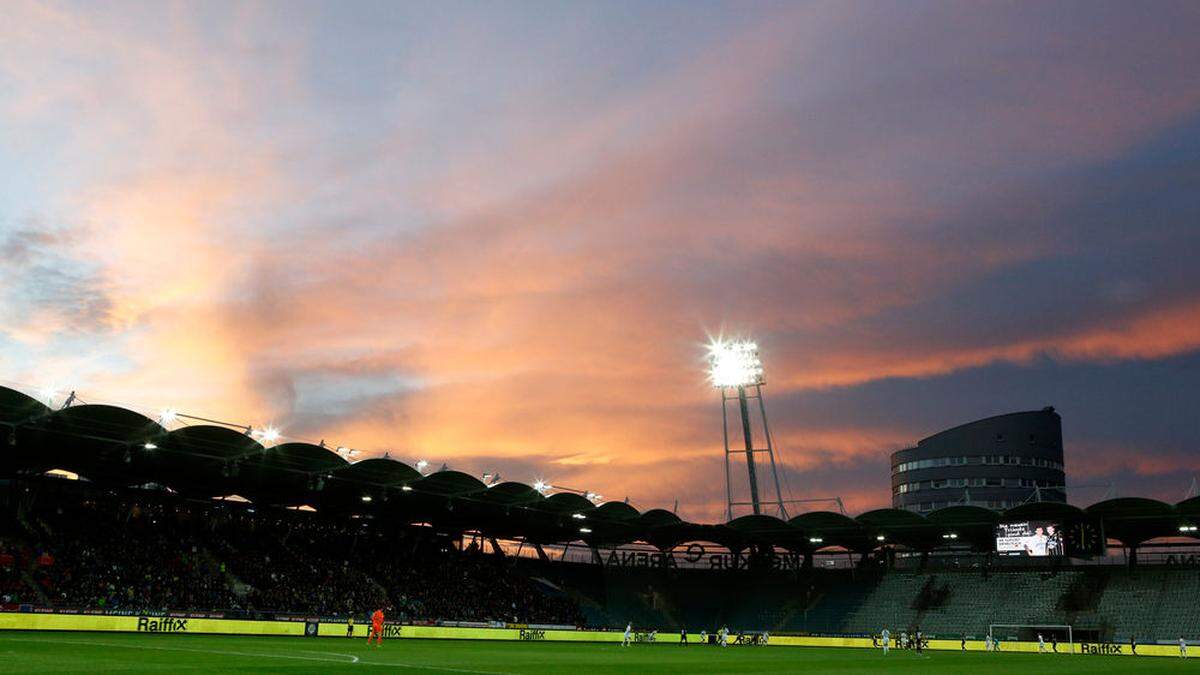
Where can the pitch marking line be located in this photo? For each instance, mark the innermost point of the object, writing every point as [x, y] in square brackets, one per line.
[226, 652]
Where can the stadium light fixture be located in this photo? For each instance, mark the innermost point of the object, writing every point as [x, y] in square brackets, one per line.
[366, 498]
[421, 464]
[406, 488]
[542, 486]
[150, 446]
[578, 516]
[1188, 528]
[585, 530]
[267, 434]
[950, 535]
[880, 537]
[734, 363]
[815, 540]
[167, 416]
[594, 498]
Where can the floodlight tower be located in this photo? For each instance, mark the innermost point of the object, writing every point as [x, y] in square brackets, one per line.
[735, 369]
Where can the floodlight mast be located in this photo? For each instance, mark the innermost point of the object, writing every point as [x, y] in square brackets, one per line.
[735, 369]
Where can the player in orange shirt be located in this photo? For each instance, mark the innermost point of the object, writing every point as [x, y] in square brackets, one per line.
[376, 628]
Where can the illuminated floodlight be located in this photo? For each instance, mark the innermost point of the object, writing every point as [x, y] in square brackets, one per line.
[542, 486]
[734, 363]
[951, 535]
[406, 488]
[585, 530]
[167, 416]
[421, 464]
[578, 516]
[267, 435]
[880, 538]
[48, 394]
[815, 540]
[594, 497]
[1187, 528]
[150, 446]
[366, 498]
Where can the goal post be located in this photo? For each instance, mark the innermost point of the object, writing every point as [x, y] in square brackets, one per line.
[1032, 629]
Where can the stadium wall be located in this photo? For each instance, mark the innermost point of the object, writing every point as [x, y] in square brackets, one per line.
[25, 621]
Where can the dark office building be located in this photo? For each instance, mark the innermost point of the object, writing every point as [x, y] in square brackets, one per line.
[996, 463]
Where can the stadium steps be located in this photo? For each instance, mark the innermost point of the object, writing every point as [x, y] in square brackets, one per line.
[829, 610]
[32, 585]
[1178, 605]
[889, 605]
[1131, 603]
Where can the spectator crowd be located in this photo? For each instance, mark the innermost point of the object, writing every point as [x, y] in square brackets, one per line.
[125, 552]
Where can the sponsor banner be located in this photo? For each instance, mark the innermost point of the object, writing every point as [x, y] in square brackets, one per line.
[146, 624]
[189, 625]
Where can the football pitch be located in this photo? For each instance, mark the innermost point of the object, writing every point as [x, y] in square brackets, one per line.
[22, 652]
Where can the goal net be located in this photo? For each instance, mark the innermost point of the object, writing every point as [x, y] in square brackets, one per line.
[1028, 632]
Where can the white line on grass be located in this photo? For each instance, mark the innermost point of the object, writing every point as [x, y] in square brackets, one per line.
[416, 666]
[224, 652]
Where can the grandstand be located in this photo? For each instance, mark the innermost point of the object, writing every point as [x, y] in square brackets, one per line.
[149, 531]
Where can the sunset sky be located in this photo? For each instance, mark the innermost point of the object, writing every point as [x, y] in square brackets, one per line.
[498, 234]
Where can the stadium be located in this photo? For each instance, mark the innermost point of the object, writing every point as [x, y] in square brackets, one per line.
[434, 336]
[206, 530]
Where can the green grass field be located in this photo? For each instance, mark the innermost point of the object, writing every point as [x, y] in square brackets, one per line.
[22, 652]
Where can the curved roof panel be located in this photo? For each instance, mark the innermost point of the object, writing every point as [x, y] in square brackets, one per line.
[1133, 520]
[1043, 511]
[510, 493]
[566, 502]
[121, 446]
[659, 518]
[449, 483]
[617, 511]
[964, 516]
[1189, 507]
[101, 442]
[198, 460]
[17, 407]
[379, 471]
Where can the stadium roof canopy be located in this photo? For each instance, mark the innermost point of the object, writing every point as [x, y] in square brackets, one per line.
[115, 446]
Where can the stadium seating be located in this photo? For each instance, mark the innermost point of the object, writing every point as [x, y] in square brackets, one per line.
[139, 550]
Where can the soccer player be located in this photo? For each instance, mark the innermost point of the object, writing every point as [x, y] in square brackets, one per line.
[654, 635]
[988, 644]
[766, 637]
[886, 638]
[962, 643]
[917, 640]
[1182, 648]
[683, 636]
[724, 635]
[1041, 644]
[903, 639]
[1054, 642]
[350, 626]
[703, 637]
[376, 628]
[1133, 645]
[628, 630]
